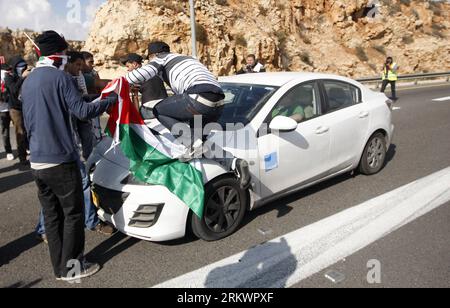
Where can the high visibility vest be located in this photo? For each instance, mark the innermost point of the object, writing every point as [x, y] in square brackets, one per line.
[390, 75]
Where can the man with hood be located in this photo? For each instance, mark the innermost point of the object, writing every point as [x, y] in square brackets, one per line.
[13, 85]
[49, 98]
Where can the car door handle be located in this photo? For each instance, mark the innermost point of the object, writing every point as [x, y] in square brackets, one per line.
[322, 130]
[363, 114]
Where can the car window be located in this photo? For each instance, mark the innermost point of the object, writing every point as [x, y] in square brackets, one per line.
[301, 103]
[341, 95]
[243, 102]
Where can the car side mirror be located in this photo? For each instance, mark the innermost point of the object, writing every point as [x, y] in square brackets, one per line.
[283, 124]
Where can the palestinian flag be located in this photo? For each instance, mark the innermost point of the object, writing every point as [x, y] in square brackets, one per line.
[153, 158]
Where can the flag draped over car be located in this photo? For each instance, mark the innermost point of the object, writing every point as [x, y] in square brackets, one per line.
[153, 158]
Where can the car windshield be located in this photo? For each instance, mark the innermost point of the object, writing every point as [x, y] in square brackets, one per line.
[243, 102]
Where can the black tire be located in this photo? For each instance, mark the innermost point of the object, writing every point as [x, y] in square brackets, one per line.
[374, 156]
[219, 222]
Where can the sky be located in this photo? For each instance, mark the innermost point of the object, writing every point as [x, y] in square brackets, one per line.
[72, 18]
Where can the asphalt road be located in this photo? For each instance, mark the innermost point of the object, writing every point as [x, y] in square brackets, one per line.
[416, 255]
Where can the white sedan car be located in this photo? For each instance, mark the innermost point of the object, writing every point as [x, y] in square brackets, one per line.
[294, 129]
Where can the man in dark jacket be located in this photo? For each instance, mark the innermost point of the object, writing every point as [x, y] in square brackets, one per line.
[252, 66]
[49, 97]
[13, 84]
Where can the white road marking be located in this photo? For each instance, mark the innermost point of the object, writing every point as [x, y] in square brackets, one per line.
[396, 108]
[442, 99]
[287, 260]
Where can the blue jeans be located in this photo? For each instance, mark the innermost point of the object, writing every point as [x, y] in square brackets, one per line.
[182, 108]
[90, 213]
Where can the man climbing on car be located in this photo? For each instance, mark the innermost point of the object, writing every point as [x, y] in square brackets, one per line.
[196, 93]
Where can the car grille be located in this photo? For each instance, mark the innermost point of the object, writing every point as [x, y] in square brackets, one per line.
[146, 215]
[108, 200]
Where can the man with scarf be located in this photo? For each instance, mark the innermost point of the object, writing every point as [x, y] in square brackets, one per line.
[84, 137]
[49, 97]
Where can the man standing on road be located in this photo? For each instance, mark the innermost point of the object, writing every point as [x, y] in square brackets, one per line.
[83, 128]
[5, 118]
[82, 131]
[13, 84]
[94, 85]
[390, 76]
[49, 96]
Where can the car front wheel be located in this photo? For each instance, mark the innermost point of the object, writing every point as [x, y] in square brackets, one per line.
[374, 155]
[225, 207]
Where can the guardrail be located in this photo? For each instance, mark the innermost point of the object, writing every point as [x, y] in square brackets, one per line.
[413, 77]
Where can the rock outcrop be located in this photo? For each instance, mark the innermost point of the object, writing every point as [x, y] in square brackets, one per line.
[16, 43]
[336, 36]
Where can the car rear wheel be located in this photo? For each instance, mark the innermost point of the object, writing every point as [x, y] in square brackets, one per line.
[225, 207]
[374, 155]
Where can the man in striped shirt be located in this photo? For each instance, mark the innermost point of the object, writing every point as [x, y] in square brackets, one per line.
[196, 93]
[196, 89]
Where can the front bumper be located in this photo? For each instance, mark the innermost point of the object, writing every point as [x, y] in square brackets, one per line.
[150, 213]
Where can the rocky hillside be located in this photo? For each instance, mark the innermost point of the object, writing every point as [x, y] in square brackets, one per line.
[336, 36]
[15, 43]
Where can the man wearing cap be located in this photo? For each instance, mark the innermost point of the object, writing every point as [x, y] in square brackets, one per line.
[13, 85]
[197, 93]
[49, 97]
[153, 90]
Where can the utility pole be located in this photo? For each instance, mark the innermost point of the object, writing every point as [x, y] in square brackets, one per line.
[193, 29]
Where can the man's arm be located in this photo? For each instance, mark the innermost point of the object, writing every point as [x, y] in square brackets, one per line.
[77, 105]
[100, 84]
[143, 74]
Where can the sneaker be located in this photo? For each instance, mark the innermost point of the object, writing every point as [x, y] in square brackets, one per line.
[42, 238]
[242, 172]
[193, 152]
[87, 269]
[9, 157]
[105, 229]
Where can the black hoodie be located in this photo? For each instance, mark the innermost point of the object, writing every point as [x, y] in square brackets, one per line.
[13, 84]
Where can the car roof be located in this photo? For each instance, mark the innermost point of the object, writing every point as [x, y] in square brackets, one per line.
[278, 79]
